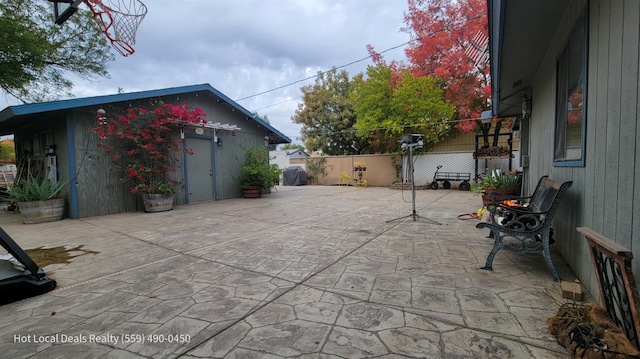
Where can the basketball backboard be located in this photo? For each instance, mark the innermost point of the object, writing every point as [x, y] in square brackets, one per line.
[63, 9]
[117, 19]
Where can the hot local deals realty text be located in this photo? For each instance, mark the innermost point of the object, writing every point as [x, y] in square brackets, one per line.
[66, 338]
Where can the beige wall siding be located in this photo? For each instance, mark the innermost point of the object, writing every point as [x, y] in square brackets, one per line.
[457, 141]
[380, 168]
[605, 192]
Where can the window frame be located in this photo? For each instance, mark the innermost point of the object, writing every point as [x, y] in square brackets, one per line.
[564, 61]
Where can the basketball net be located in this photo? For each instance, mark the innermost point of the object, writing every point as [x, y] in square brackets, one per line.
[119, 21]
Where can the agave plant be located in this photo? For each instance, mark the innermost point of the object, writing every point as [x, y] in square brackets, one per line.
[34, 189]
[495, 179]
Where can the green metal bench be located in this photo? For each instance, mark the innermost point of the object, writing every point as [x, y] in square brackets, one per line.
[525, 229]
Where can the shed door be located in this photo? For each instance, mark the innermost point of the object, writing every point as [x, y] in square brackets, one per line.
[200, 170]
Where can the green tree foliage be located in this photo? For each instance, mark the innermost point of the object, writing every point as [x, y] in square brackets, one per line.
[327, 116]
[391, 104]
[291, 146]
[36, 54]
[7, 151]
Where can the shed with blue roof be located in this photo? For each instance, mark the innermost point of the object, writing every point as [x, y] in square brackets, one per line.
[41, 130]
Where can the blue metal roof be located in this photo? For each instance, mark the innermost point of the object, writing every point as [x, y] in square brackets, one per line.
[42, 107]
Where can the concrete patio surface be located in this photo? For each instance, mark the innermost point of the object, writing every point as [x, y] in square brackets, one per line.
[305, 272]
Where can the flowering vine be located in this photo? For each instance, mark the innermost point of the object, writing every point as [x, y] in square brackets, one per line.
[141, 142]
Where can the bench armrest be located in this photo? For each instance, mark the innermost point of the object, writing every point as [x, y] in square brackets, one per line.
[519, 219]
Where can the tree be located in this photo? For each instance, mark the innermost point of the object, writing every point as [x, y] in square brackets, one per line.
[291, 146]
[36, 54]
[389, 105]
[7, 151]
[450, 43]
[327, 117]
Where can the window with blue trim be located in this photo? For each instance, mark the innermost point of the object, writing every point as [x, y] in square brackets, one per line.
[570, 129]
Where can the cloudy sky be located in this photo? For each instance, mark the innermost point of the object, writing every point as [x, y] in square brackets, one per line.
[246, 47]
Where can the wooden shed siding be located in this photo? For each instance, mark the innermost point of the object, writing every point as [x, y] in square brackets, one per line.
[99, 191]
[54, 131]
[228, 157]
[604, 194]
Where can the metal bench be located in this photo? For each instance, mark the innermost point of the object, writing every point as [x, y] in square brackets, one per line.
[618, 291]
[525, 229]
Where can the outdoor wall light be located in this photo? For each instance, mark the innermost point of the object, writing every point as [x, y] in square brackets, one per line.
[101, 114]
[219, 142]
[266, 140]
[486, 117]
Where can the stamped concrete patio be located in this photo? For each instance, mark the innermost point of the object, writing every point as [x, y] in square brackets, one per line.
[306, 272]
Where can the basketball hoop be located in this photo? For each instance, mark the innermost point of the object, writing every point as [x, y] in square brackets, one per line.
[119, 20]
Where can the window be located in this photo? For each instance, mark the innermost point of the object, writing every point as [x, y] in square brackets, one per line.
[570, 129]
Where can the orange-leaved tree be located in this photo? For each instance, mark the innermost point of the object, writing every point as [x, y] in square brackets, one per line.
[449, 41]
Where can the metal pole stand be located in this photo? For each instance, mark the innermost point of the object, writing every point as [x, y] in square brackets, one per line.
[414, 215]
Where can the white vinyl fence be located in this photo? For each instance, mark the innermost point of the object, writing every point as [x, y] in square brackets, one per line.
[425, 165]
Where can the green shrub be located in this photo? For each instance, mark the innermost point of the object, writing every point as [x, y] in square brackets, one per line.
[34, 189]
[256, 170]
[496, 179]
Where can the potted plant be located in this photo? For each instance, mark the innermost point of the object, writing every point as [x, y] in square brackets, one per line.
[256, 174]
[38, 199]
[495, 181]
[140, 144]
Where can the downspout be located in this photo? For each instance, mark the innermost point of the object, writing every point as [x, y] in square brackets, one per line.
[496, 9]
[214, 172]
[71, 155]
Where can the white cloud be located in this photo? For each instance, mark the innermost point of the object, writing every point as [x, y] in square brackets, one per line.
[246, 47]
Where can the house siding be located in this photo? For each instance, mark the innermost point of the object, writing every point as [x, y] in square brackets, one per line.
[603, 196]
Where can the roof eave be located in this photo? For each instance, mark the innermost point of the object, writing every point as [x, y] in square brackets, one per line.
[61, 105]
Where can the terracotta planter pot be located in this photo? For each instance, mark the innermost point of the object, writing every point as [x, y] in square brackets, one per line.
[42, 211]
[155, 202]
[252, 192]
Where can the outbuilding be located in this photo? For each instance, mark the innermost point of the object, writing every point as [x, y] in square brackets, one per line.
[59, 130]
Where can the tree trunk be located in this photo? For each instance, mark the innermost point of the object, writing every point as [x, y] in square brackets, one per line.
[496, 133]
[485, 132]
